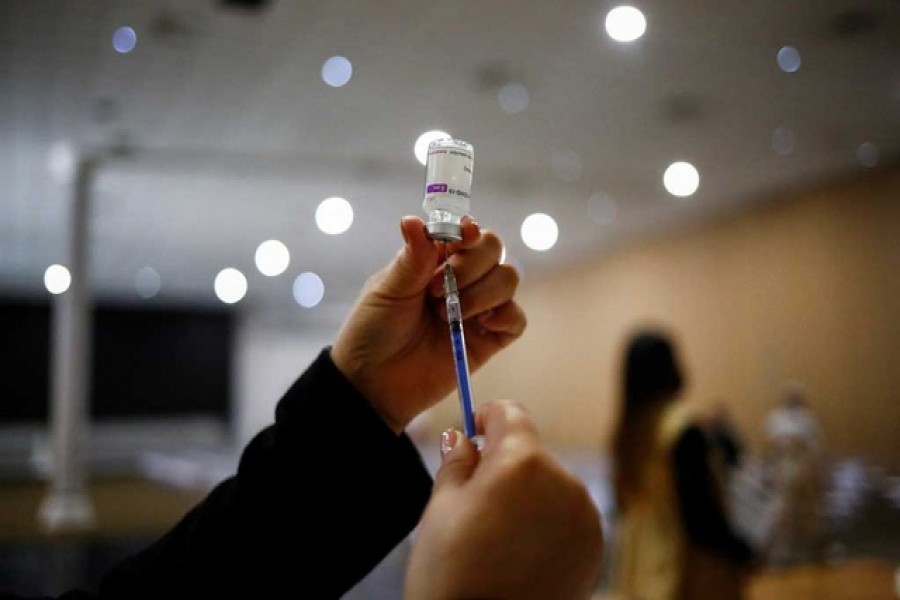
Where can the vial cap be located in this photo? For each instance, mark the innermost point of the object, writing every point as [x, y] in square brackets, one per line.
[443, 231]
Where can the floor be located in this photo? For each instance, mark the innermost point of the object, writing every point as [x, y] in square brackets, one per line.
[130, 514]
[858, 558]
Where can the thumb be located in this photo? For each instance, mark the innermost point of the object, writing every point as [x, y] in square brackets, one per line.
[414, 266]
[459, 457]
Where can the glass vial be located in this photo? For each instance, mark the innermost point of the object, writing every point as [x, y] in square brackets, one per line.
[448, 186]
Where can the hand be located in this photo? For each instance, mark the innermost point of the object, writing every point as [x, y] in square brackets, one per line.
[395, 347]
[509, 523]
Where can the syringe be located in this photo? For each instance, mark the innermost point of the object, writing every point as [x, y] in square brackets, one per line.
[458, 338]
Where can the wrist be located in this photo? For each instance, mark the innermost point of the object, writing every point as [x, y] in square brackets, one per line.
[356, 374]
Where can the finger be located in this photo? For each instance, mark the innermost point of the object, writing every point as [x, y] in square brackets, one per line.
[472, 263]
[459, 457]
[507, 318]
[503, 418]
[471, 232]
[412, 268]
[495, 289]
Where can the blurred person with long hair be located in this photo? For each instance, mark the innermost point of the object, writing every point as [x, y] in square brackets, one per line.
[674, 540]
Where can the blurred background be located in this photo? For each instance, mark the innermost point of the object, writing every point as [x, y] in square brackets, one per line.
[197, 191]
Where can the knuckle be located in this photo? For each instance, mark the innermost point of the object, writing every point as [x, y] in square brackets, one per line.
[491, 241]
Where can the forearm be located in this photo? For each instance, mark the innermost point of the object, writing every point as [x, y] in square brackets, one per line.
[329, 478]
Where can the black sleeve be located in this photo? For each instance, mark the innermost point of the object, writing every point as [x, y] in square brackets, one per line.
[701, 508]
[319, 498]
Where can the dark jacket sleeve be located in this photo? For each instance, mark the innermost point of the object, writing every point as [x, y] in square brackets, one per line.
[701, 508]
[319, 498]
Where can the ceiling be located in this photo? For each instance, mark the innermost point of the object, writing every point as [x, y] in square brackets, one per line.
[232, 136]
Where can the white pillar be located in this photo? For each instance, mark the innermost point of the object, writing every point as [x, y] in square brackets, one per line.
[67, 505]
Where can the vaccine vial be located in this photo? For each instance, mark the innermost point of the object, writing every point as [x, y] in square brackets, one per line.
[448, 187]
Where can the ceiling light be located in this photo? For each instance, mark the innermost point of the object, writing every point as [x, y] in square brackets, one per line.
[783, 141]
[230, 285]
[625, 23]
[57, 279]
[308, 289]
[334, 215]
[147, 282]
[420, 149]
[681, 179]
[124, 40]
[513, 98]
[272, 258]
[539, 231]
[337, 71]
[789, 59]
[867, 154]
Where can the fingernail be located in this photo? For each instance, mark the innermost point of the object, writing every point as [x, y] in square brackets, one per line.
[403, 233]
[449, 439]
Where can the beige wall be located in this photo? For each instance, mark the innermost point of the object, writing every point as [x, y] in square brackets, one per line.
[804, 288]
